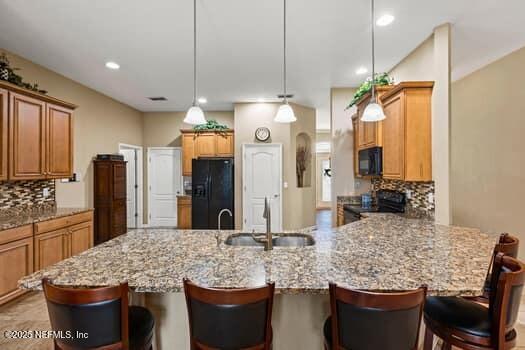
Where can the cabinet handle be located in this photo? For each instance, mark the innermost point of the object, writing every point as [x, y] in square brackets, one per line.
[421, 170]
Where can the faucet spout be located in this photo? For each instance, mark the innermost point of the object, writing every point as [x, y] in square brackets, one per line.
[220, 215]
[267, 214]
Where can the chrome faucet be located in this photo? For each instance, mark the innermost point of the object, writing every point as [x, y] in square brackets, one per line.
[217, 235]
[220, 215]
[267, 214]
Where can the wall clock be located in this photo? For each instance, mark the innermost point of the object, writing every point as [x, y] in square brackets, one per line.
[262, 134]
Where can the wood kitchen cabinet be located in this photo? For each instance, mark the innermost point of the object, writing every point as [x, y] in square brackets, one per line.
[58, 239]
[184, 212]
[27, 137]
[407, 132]
[36, 133]
[16, 260]
[355, 128]
[110, 199]
[205, 144]
[3, 133]
[370, 133]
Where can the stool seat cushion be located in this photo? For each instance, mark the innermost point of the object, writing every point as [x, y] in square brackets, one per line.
[460, 314]
[141, 324]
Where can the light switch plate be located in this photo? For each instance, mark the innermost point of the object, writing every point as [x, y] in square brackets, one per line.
[45, 192]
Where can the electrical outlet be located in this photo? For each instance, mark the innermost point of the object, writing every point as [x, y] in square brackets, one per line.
[408, 194]
[431, 198]
[285, 184]
[45, 192]
[357, 184]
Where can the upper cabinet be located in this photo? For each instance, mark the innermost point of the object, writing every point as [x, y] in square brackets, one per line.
[370, 133]
[3, 133]
[205, 144]
[407, 132]
[27, 138]
[36, 135]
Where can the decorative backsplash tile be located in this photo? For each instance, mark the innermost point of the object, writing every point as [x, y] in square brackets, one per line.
[26, 193]
[420, 191]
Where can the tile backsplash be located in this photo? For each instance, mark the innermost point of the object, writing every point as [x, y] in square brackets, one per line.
[26, 193]
[420, 193]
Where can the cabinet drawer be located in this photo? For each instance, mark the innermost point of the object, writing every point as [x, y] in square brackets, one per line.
[16, 233]
[55, 224]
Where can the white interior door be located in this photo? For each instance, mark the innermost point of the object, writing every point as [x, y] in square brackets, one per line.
[262, 177]
[165, 184]
[130, 156]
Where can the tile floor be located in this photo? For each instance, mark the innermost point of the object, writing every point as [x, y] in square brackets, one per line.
[30, 313]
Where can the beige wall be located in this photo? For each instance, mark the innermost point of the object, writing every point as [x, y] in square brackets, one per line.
[488, 165]
[344, 182]
[100, 124]
[250, 116]
[431, 61]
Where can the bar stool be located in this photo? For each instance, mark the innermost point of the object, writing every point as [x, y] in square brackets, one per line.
[98, 318]
[508, 245]
[373, 321]
[229, 318]
[469, 325]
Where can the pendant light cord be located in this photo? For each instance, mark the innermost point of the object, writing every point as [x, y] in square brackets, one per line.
[284, 53]
[373, 54]
[194, 52]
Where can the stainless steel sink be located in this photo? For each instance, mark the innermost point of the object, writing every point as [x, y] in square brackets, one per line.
[279, 240]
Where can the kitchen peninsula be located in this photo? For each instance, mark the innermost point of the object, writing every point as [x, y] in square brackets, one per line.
[381, 252]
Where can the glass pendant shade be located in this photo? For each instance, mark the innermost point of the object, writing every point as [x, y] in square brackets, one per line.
[285, 114]
[373, 113]
[195, 116]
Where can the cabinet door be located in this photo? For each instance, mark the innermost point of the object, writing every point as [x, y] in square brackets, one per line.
[80, 238]
[205, 145]
[51, 248]
[225, 144]
[355, 127]
[183, 214]
[16, 261]
[394, 138]
[27, 130]
[59, 141]
[188, 153]
[3, 134]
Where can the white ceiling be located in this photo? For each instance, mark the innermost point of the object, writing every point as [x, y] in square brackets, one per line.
[239, 48]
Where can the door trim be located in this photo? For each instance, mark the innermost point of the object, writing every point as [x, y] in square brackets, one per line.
[148, 150]
[244, 146]
[139, 175]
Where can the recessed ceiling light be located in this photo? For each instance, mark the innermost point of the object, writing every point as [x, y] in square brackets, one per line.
[361, 71]
[202, 100]
[112, 65]
[385, 20]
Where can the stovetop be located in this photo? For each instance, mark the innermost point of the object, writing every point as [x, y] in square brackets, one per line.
[388, 201]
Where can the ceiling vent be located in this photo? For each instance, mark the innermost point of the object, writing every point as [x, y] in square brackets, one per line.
[158, 98]
[287, 96]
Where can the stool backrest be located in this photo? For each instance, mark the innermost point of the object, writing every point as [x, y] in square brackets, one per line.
[97, 318]
[510, 274]
[375, 321]
[229, 318]
[508, 245]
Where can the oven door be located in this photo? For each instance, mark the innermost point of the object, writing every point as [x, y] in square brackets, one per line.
[350, 216]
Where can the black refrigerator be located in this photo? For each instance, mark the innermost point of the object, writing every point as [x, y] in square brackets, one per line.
[212, 191]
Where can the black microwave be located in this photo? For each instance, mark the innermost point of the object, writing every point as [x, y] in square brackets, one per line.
[371, 161]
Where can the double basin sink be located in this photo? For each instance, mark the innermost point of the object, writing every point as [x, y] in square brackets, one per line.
[279, 240]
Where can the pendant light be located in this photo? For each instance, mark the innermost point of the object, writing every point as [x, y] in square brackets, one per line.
[373, 112]
[195, 115]
[285, 113]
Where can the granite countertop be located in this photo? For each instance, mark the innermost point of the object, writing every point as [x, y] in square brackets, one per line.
[382, 252]
[27, 217]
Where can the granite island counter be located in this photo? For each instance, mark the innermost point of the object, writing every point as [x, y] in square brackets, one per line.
[382, 252]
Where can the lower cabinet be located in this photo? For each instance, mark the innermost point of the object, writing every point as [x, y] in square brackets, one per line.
[183, 212]
[16, 261]
[72, 238]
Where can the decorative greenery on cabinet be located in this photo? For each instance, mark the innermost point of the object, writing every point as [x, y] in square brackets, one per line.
[211, 125]
[381, 79]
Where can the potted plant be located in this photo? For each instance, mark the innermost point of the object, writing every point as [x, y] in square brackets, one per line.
[381, 79]
[211, 125]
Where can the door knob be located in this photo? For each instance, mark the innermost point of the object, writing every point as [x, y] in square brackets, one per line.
[275, 196]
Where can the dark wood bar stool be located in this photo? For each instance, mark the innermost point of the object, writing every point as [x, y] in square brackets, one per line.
[373, 321]
[229, 318]
[508, 245]
[469, 325]
[101, 314]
